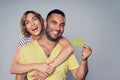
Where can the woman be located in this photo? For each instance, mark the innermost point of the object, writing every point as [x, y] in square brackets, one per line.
[32, 28]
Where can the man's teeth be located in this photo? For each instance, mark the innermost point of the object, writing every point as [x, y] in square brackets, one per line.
[55, 32]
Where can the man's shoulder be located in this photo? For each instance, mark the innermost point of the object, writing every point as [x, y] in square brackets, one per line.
[58, 46]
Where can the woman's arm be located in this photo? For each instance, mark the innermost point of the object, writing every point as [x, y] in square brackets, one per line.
[63, 55]
[66, 51]
[15, 64]
[17, 68]
[21, 69]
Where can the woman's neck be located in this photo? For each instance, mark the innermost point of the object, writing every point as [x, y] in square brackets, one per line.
[35, 37]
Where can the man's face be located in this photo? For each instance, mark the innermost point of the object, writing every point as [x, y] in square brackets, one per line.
[54, 27]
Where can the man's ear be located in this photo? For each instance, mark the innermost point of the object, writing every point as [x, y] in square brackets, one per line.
[45, 23]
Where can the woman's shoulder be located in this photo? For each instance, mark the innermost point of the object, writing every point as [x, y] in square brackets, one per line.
[24, 41]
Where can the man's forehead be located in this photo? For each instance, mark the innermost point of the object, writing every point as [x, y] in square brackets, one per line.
[56, 17]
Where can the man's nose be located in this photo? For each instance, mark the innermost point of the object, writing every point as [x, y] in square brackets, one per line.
[58, 27]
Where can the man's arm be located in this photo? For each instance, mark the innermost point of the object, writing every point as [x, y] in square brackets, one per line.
[81, 72]
[20, 77]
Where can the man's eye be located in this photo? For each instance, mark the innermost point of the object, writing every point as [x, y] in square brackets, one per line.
[62, 24]
[54, 22]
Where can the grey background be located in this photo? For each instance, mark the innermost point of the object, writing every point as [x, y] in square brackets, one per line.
[95, 21]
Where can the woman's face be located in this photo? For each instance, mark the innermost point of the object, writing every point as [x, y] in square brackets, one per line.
[33, 24]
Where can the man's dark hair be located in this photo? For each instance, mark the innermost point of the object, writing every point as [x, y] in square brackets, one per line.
[57, 11]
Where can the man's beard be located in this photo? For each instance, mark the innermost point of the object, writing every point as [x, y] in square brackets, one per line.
[50, 37]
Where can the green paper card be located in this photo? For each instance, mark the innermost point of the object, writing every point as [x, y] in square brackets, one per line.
[78, 42]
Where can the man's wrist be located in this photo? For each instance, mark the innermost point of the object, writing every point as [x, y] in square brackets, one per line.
[84, 60]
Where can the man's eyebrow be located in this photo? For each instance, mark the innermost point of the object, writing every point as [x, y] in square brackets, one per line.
[53, 20]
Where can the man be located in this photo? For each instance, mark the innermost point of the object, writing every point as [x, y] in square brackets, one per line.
[47, 48]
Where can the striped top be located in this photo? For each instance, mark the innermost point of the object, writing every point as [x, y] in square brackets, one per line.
[24, 41]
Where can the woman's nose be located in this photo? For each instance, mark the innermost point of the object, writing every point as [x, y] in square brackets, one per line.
[32, 23]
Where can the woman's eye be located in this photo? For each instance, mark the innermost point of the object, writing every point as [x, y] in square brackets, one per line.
[35, 18]
[26, 22]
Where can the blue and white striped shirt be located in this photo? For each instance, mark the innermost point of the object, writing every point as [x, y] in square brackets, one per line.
[24, 41]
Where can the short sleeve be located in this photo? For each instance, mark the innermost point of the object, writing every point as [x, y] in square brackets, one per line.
[72, 62]
[22, 59]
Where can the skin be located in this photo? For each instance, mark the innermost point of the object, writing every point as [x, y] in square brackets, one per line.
[33, 26]
[45, 69]
[54, 27]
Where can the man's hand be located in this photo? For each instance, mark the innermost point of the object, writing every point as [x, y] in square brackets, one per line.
[44, 68]
[39, 76]
[86, 52]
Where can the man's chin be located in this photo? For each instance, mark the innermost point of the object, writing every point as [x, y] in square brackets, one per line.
[56, 39]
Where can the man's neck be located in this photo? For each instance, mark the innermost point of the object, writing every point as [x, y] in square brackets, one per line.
[46, 44]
